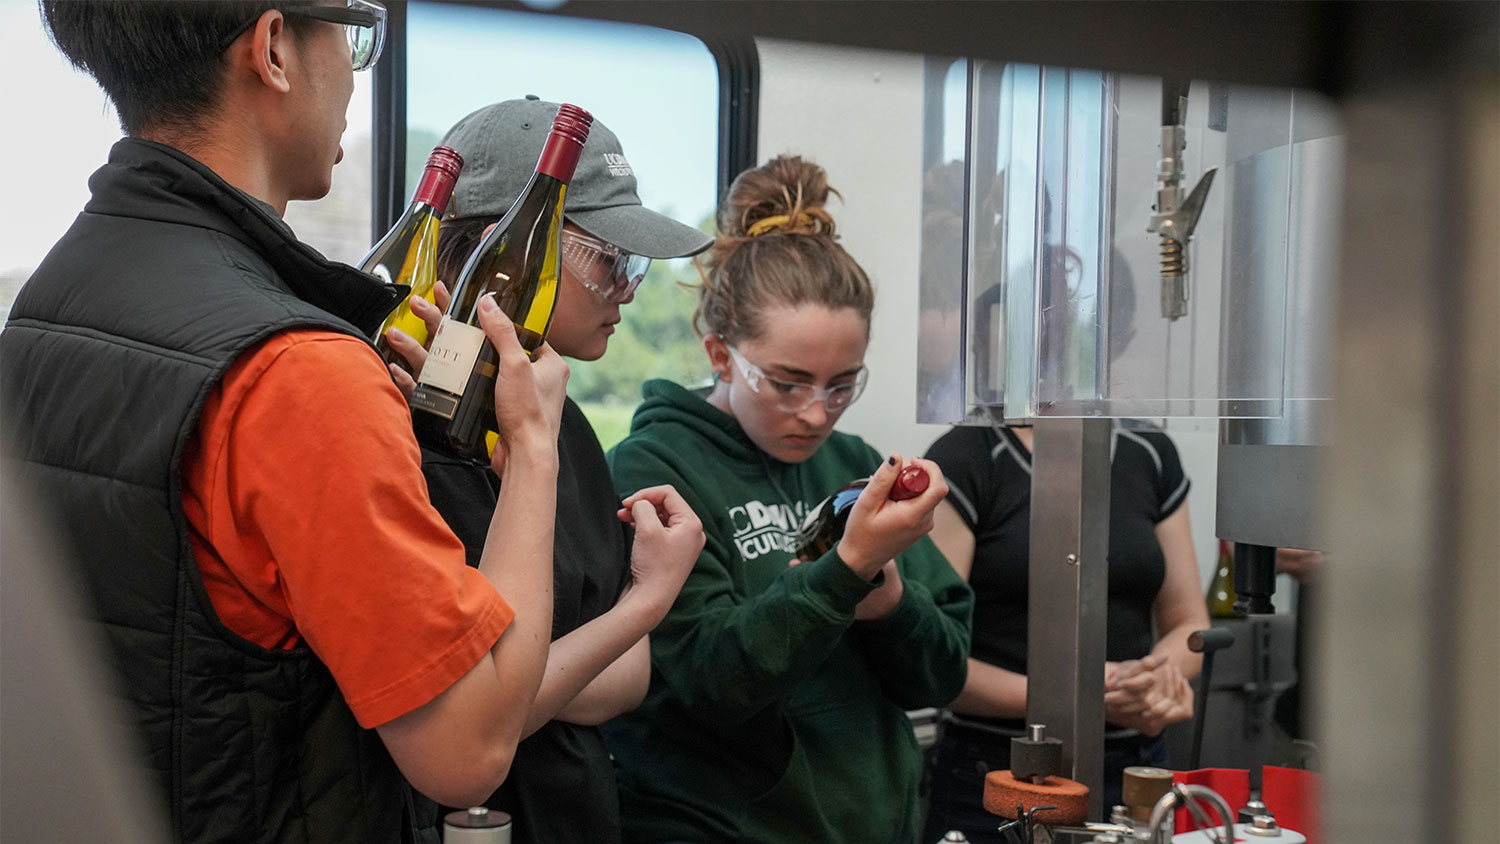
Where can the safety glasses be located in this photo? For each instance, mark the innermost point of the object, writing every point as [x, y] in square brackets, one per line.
[585, 255]
[793, 397]
[363, 21]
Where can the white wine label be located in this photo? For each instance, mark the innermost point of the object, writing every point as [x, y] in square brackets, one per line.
[451, 357]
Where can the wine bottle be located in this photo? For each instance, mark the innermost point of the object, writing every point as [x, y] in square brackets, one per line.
[1221, 595]
[408, 252]
[454, 403]
[824, 526]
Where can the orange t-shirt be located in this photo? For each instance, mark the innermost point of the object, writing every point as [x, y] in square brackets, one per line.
[309, 518]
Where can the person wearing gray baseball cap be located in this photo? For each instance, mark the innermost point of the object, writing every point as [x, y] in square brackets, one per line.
[500, 144]
[617, 566]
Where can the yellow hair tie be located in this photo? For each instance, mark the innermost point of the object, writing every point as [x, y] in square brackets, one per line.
[765, 224]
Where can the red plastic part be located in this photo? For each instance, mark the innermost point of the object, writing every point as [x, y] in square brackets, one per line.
[1293, 796]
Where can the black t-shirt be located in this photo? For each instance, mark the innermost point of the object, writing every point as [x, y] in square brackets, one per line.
[989, 483]
[561, 786]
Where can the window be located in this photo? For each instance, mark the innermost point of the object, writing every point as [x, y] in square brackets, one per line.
[72, 126]
[657, 90]
[61, 131]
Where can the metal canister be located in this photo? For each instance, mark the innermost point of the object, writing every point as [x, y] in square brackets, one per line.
[1141, 787]
[476, 825]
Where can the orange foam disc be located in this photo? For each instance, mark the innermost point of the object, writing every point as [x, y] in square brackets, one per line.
[1002, 792]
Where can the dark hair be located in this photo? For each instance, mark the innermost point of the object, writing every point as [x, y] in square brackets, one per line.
[793, 257]
[457, 240]
[161, 62]
[1121, 304]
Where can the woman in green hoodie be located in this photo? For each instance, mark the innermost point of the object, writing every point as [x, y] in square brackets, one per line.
[779, 688]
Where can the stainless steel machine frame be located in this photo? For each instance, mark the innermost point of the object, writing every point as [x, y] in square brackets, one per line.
[1068, 592]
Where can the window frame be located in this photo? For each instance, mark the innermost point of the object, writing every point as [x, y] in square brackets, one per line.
[735, 57]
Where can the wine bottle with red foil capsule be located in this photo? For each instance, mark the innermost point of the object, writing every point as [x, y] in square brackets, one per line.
[517, 262]
[824, 526]
[408, 252]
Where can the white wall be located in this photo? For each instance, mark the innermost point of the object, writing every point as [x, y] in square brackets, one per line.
[858, 113]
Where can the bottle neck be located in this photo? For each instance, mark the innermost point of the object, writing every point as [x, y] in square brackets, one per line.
[559, 157]
[910, 483]
[435, 189]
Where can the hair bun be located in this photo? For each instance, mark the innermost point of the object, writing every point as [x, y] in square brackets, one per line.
[786, 195]
[776, 247]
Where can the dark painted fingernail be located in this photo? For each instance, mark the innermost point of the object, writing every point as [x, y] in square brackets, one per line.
[891, 460]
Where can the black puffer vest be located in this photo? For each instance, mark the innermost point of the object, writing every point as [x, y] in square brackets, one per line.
[167, 277]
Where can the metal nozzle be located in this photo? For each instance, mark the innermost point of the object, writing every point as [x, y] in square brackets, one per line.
[1175, 216]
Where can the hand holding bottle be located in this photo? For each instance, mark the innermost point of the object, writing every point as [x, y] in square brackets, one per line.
[528, 394]
[878, 528]
[407, 254]
[411, 350]
[668, 539]
[515, 266]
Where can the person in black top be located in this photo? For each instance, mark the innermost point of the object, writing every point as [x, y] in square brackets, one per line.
[610, 588]
[1155, 601]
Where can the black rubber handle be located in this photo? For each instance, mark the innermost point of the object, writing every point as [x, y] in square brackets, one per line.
[1210, 640]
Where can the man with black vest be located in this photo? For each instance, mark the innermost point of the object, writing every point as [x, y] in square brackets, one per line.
[189, 388]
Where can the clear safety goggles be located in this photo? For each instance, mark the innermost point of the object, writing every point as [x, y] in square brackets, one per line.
[794, 397]
[585, 255]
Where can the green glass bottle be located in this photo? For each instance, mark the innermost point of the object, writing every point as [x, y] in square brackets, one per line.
[1221, 596]
[453, 406]
[408, 252]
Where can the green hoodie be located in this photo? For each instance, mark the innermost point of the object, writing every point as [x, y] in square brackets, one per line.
[773, 716]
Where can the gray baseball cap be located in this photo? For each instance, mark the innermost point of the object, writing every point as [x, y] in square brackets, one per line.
[501, 143]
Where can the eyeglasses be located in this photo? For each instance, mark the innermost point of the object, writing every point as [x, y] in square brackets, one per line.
[586, 252]
[795, 397]
[364, 27]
